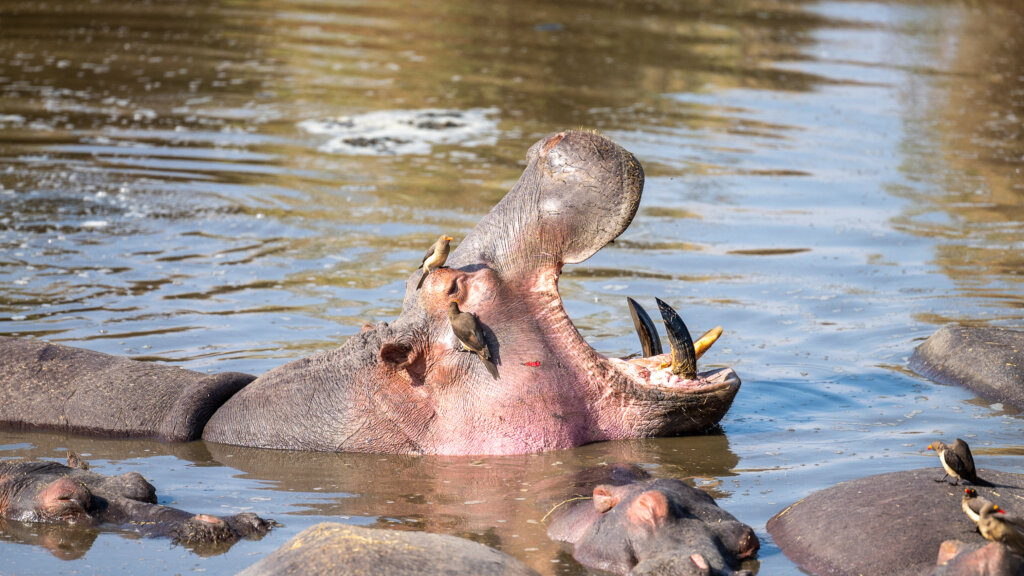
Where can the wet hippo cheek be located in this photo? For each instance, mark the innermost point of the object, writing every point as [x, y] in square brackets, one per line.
[64, 500]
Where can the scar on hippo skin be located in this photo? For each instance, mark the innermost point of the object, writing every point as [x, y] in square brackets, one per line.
[75, 498]
[661, 526]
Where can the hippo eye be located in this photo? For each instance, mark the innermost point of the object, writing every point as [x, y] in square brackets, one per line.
[453, 288]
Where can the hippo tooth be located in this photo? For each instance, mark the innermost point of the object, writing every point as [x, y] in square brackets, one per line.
[704, 342]
[684, 359]
[645, 329]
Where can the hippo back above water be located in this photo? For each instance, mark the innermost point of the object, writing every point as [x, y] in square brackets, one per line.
[407, 386]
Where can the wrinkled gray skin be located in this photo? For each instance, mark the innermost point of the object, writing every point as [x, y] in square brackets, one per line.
[406, 387]
[636, 525]
[54, 387]
[888, 524]
[55, 494]
[987, 361]
[993, 559]
[331, 548]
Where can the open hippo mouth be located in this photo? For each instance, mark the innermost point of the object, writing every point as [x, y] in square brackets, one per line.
[676, 370]
[531, 383]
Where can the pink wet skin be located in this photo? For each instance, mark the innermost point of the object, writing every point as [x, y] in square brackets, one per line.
[573, 402]
[65, 500]
[413, 389]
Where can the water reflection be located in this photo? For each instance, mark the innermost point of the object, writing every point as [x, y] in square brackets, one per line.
[970, 181]
[498, 501]
[829, 181]
[64, 542]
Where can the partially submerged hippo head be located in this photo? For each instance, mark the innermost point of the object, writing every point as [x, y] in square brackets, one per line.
[408, 387]
[71, 496]
[652, 527]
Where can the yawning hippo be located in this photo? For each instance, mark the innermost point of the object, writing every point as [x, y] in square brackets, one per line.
[52, 493]
[407, 386]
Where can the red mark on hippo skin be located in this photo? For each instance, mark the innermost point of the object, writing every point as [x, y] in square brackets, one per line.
[533, 364]
[699, 561]
[552, 142]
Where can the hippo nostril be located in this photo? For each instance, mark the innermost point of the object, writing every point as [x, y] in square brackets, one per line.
[552, 142]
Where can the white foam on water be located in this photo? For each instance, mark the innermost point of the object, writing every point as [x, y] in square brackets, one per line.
[400, 132]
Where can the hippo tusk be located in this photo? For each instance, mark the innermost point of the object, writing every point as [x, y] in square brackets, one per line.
[704, 342]
[684, 359]
[645, 329]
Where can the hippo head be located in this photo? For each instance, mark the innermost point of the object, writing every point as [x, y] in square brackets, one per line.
[410, 387]
[44, 496]
[653, 527]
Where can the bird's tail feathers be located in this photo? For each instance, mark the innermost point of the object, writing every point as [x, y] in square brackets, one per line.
[422, 278]
[490, 367]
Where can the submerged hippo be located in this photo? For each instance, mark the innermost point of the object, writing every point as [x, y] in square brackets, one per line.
[52, 493]
[988, 361]
[892, 523]
[664, 527]
[331, 548]
[406, 387]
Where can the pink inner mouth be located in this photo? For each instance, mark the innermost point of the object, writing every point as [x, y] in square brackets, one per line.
[645, 372]
[648, 372]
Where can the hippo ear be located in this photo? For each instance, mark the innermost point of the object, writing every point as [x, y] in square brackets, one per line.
[604, 500]
[399, 355]
[650, 508]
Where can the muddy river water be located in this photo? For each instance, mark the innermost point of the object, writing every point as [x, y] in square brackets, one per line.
[226, 185]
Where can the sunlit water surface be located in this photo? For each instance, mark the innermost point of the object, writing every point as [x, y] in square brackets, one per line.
[231, 185]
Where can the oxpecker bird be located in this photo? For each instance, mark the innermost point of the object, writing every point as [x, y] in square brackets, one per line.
[995, 525]
[435, 257]
[972, 503]
[957, 462]
[467, 329]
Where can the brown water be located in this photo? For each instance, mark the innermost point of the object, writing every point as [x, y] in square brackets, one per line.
[830, 181]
